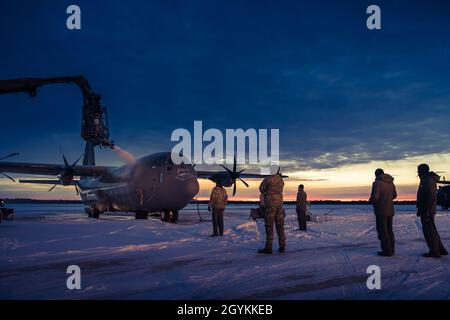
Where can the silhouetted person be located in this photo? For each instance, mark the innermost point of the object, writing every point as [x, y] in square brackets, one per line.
[272, 189]
[301, 207]
[217, 203]
[382, 198]
[426, 210]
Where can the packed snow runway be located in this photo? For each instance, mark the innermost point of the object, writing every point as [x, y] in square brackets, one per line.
[123, 258]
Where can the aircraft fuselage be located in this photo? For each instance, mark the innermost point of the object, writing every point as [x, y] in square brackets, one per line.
[153, 184]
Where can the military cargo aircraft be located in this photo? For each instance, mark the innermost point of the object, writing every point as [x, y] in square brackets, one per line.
[151, 184]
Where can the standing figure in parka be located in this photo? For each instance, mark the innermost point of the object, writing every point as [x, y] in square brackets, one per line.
[426, 210]
[382, 198]
[302, 202]
[217, 203]
[272, 189]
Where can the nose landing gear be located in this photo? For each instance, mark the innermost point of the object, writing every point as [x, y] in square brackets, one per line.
[93, 211]
[141, 215]
[169, 216]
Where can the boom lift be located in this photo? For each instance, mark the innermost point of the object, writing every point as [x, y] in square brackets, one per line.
[94, 124]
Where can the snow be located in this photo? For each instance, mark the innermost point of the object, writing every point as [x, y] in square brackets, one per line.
[123, 258]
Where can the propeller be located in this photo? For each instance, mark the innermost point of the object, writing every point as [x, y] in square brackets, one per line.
[234, 175]
[6, 157]
[9, 156]
[67, 171]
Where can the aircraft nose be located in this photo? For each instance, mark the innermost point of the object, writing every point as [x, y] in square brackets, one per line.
[191, 187]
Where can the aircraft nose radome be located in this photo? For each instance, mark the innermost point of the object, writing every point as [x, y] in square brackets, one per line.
[191, 187]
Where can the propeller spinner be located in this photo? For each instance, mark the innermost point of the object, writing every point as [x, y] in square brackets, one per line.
[66, 176]
[234, 175]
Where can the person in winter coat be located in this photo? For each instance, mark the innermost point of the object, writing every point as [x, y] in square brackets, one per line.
[272, 189]
[382, 198]
[217, 203]
[426, 210]
[301, 207]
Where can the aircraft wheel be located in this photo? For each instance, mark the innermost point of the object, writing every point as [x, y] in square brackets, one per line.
[174, 217]
[94, 212]
[165, 215]
[141, 215]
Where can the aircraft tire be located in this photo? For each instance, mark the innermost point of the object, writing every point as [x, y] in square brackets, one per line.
[141, 215]
[174, 217]
[94, 212]
[165, 215]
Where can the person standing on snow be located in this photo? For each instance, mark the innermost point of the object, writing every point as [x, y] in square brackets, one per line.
[302, 203]
[426, 210]
[217, 203]
[272, 189]
[382, 198]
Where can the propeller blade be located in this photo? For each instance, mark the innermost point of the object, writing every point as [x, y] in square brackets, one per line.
[234, 164]
[278, 171]
[53, 187]
[8, 177]
[66, 163]
[75, 163]
[10, 155]
[246, 184]
[228, 170]
[76, 189]
[234, 189]
[242, 171]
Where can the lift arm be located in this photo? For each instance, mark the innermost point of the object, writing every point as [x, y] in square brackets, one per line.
[94, 127]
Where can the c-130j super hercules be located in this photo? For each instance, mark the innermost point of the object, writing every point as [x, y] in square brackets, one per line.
[151, 184]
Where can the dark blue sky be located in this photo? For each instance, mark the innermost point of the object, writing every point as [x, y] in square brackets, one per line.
[338, 92]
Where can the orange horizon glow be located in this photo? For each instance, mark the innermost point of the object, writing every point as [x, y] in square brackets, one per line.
[347, 183]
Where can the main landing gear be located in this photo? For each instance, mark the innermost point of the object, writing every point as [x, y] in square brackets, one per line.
[169, 216]
[141, 215]
[93, 212]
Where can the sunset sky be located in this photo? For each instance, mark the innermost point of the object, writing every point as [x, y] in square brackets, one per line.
[346, 100]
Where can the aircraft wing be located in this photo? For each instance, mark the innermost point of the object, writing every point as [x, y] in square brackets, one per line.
[44, 181]
[51, 169]
[208, 174]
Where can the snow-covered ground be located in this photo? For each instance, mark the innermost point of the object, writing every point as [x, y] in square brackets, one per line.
[123, 258]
